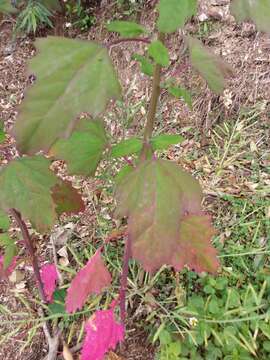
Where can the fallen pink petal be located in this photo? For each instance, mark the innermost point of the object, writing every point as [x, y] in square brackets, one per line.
[49, 277]
[91, 279]
[103, 333]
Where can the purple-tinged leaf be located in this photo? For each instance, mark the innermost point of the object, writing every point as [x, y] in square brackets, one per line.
[91, 279]
[67, 199]
[103, 333]
[165, 220]
[49, 277]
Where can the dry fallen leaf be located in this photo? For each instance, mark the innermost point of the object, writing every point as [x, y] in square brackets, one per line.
[113, 356]
[16, 277]
[67, 355]
[64, 261]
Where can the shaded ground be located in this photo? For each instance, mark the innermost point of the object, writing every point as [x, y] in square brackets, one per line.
[228, 153]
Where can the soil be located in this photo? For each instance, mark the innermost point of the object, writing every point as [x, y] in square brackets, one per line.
[247, 51]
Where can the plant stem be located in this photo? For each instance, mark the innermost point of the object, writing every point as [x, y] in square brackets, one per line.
[149, 127]
[124, 276]
[29, 245]
[120, 41]
[53, 341]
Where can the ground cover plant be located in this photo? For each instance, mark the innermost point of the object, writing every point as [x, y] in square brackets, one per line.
[136, 194]
[35, 15]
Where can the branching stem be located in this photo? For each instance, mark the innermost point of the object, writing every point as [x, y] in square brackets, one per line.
[123, 288]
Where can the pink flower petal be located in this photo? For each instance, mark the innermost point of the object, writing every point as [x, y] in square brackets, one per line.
[49, 277]
[103, 333]
[91, 279]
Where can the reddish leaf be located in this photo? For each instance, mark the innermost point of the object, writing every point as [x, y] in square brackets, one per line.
[67, 199]
[165, 221]
[103, 333]
[91, 279]
[49, 277]
[4, 273]
[195, 234]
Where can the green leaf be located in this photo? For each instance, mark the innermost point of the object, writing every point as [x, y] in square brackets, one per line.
[213, 306]
[6, 7]
[10, 249]
[162, 142]
[174, 349]
[181, 93]
[58, 305]
[165, 221]
[125, 170]
[212, 68]
[83, 149]
[159, 53]
[257, 11]
[146, 66]
[126, 147]
[26, 186]
[2, 133]
[4, 220]
[165, 337]
[73, 76]
[266, 346]
[126, 28]
[173, 14]
[67, 199]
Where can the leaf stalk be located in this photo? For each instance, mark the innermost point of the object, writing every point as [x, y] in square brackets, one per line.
[30, 248]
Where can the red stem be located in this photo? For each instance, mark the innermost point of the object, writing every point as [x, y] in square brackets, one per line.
[128, 161]
[119, 41]
[124, 276]
[30, 248]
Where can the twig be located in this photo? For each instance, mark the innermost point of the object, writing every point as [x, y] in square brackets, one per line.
[53, 343]
[122, 40]
[60, 277]
[124, 276]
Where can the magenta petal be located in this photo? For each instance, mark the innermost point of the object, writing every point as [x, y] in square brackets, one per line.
[103, 333]
[91, 279]
[49, 277]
